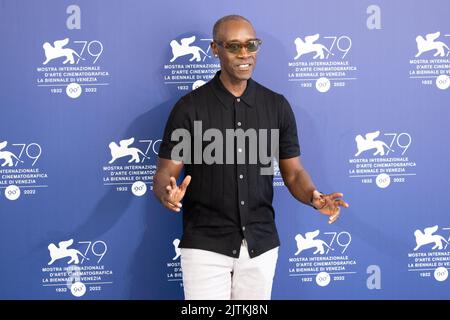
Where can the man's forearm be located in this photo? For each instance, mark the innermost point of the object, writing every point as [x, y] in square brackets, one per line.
[300, 185]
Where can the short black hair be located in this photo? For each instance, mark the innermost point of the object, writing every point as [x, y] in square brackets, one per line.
[225, 19]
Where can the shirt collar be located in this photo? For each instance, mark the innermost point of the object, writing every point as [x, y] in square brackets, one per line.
[227, 99]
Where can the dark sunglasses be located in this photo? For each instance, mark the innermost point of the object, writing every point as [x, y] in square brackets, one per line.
[235, 47]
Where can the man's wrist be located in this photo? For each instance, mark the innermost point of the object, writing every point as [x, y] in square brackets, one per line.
[311, 203]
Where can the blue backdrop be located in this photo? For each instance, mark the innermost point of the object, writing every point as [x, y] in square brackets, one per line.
[86, 89]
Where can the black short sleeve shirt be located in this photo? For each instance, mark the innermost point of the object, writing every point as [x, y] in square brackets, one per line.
[227, 201]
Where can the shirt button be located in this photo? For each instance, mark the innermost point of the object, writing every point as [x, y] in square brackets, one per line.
[238, 100]
[252, 251]
[243, 228]
[240, 150]
[242, 203]
[241, 176]
[239, 124]
[234, 251]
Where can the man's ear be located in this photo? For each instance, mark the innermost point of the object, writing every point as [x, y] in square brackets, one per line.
[214, 48]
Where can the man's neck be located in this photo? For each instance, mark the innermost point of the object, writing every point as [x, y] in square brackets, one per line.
[236, 88]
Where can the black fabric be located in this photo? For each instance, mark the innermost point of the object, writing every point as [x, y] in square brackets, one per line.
[214, 217]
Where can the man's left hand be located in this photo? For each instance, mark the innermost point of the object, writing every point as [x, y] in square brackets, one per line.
[329, 204]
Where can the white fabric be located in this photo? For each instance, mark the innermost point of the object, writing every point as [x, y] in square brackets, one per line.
[212, 276]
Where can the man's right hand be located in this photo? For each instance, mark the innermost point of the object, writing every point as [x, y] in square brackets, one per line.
[171, 200]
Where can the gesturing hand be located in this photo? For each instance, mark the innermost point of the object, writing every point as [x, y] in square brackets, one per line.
[171, 200]
[329, 204]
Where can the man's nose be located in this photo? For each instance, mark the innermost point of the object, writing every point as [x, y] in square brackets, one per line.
[243, 52]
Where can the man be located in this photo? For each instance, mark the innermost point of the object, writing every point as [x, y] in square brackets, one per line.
[230, 243]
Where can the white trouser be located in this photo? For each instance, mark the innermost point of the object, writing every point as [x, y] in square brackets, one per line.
[212, 276]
